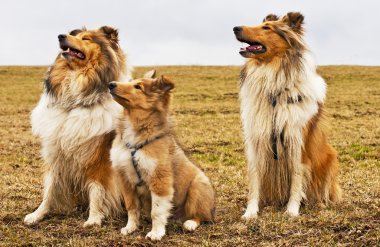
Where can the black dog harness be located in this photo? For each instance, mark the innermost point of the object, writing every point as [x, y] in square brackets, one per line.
[273, 101]
[137, 147]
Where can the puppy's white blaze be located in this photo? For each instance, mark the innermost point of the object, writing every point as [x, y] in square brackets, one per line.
[146, 164]
[97, 196]
[161, 206]
[190, 225]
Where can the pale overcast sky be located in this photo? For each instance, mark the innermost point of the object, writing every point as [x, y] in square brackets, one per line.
[187, 32]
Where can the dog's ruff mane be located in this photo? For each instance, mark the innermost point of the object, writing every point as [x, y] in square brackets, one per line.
[281, 80]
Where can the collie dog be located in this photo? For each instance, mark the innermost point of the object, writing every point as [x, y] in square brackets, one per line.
[282, 96]
[154, 171]
[75, 119]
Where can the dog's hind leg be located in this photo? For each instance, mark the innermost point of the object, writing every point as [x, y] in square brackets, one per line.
[254, 180]
[45, 205]
[97, 195]
[200, 203]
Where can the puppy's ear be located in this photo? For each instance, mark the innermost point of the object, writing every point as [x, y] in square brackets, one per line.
[164, 84]
[150, 74]
[111, 33]
[270, 17]
[294, 20]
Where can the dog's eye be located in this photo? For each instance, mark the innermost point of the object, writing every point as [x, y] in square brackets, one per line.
[138, 87]
[266, 28]
[85, 38]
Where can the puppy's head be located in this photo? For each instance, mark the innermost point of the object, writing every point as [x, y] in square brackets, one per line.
[272, 38]
[147, 93]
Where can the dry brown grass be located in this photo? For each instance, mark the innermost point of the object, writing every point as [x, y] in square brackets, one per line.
[206, 112]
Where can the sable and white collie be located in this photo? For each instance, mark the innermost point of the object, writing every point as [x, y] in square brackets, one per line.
[154, 170]
[75, 119]
[282, 96]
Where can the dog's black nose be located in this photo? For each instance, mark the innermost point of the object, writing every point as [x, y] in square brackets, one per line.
[62, 37]
[237, 29]
[112, 85]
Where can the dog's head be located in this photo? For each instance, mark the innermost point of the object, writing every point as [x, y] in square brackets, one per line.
[81, 46]
[148, 93]
[273, 38]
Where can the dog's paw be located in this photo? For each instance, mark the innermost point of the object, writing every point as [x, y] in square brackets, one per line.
[248, 216]
[32, 219]
[94, 221]
[155, 235]
[190, 225]
[292, 213]
[293, 209]
[128, 229]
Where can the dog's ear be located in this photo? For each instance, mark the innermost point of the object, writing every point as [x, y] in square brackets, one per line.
[270, 17]
[150, 74]
[164, 84]
[294, 20]
[111, 33]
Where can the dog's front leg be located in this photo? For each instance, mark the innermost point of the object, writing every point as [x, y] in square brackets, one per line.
[45, 205]
[296, 190]
[96, 193]
[162, 195]
[254, 181]
[132, 204]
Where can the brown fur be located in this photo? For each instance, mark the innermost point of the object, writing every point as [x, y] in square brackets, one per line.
[146, 106]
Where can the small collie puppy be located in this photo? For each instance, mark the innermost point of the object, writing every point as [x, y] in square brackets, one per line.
[154, 171]
[75, 119]
[282, 96]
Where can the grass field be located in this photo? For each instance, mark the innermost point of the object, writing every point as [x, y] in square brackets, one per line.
[206, 113]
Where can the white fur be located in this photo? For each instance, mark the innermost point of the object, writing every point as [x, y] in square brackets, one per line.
[190, 225]
[161, 206]
[258, 114]
[96, 195]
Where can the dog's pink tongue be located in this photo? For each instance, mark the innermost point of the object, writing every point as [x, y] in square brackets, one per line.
[254, 48]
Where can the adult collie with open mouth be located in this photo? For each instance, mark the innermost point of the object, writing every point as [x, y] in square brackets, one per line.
[282, 98]
[75, 119]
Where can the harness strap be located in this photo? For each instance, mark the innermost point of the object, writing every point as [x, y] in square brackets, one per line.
[134, 149]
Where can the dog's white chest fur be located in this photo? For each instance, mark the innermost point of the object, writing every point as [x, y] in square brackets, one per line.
[121, 157]
[261, 115]
[68, 133]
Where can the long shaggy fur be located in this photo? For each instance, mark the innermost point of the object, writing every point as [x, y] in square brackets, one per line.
[282, 98]
[75, 119]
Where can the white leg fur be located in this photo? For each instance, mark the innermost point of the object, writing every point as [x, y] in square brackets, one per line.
[96, 198]
[133, 222]
[44, 207]
[296, 192]
[161, 206]
[254, 186]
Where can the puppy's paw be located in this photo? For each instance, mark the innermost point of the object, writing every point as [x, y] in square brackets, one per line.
[128, 229]
[32, 219]
[93, 221]
[155, 235]
[190, 225]
[248, 216]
